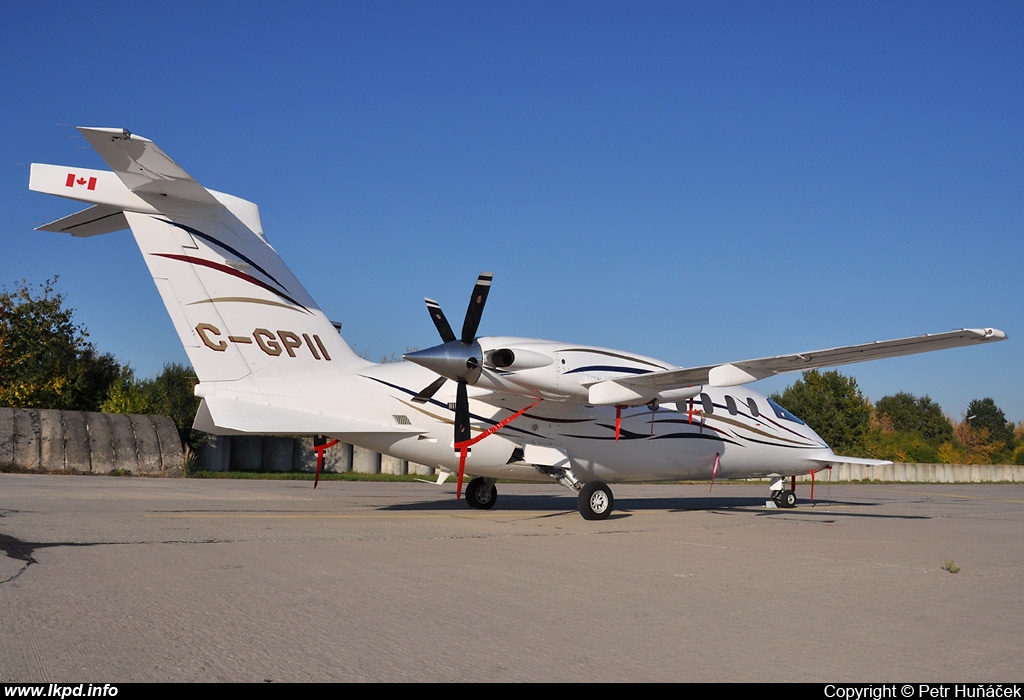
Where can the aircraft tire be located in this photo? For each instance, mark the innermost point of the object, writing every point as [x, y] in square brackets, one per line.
[481, 494]
[596, 501]
[787, 499]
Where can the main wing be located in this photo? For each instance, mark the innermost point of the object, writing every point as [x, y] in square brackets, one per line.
[745, 371]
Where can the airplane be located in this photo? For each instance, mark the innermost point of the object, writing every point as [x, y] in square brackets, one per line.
[270, 361]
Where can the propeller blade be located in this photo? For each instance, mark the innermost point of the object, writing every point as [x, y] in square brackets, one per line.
[437, 316]
[476, 307]
[428, 393]
[462, 433]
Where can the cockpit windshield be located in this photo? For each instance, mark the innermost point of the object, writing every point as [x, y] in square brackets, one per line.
[783, 413]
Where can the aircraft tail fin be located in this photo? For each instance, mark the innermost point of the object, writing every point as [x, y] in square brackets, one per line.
[237, 308]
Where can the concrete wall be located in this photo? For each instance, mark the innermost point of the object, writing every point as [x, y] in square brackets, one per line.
[89, 443]
[927, 473]
[272, 453]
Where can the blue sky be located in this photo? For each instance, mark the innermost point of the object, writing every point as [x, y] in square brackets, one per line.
[699, 182]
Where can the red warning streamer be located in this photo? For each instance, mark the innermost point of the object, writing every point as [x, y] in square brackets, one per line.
[463, 447]
[320, 445]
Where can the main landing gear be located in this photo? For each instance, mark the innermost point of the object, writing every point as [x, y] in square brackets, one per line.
[595, 501]
[481, 493]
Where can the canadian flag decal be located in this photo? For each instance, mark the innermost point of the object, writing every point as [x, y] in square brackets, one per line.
[76, 181]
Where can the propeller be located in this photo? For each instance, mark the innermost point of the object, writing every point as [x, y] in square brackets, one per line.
[458, 358]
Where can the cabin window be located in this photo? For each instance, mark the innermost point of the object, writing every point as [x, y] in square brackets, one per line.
[730, 403]
[752, 405]
[709, 405]
[783, 413]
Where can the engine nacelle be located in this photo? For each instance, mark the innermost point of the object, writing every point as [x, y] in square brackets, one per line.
[554, 370]
[516, 359]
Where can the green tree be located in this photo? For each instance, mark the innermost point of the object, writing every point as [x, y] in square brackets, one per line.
[906, 413]
[126, 394]
[833, 405]
[1018, 441]
[45, 358]
[900, 447]
[172, 394]
[94, 376]
[974, 445]
[983, 413]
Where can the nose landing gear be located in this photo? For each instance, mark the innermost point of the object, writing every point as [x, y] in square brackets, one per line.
[781, 496]
[784, 498]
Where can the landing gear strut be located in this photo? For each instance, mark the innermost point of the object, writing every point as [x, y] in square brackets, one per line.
[594, 500]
